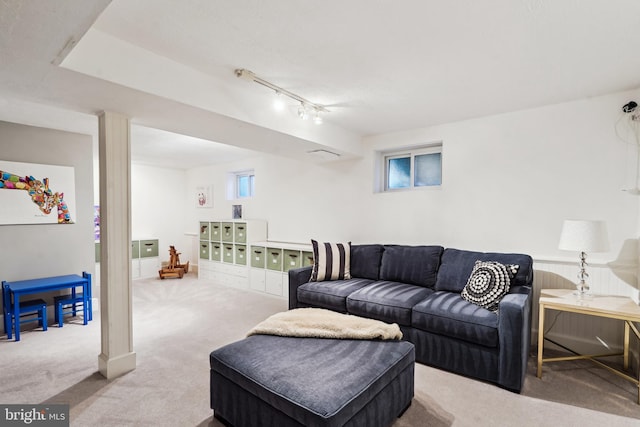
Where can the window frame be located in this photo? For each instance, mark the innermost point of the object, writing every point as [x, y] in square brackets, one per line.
[412, 153]
[233, 184]
[251, 184]
[387, 169]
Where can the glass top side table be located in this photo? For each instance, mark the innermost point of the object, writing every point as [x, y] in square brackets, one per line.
[612, 307]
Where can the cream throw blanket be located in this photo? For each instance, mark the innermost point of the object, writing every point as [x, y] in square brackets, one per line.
[321, 323]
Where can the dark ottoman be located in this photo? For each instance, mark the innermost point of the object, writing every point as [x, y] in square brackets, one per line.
[267, 380]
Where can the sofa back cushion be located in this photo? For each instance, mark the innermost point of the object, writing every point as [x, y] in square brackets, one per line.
[415, 265]
[365, 261]
[457, 265]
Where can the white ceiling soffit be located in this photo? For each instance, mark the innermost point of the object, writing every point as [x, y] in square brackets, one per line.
[106, 57]
[156, 147]
[379, 66]
[149, 146]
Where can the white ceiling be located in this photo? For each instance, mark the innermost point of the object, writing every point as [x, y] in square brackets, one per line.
[378, 66]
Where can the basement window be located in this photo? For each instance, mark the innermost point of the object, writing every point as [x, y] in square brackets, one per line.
[411, 168]
[241, 185]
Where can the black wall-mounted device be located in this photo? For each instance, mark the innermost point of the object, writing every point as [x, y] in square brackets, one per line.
[629, 106]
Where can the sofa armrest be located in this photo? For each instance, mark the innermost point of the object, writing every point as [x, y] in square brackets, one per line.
[514, 330]
[297, 277]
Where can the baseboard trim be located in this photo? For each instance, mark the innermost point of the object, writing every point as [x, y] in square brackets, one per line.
[113, 367]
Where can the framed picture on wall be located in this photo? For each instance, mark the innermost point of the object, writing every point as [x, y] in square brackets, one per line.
[204, 196]
[96, 222]
[32, 193]
[236, 211]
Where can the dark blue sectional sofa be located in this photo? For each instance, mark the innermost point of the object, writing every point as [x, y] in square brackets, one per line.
[419, 287]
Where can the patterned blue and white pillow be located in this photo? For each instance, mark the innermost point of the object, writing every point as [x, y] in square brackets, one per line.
[331, 261]
[488, 283]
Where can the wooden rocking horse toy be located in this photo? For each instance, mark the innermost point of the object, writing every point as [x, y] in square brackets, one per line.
[175, 269]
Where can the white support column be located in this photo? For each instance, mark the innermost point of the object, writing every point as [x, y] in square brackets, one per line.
[117, 356]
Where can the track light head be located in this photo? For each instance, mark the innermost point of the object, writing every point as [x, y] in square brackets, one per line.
[302, 112]
[278, 102]
[317, 119]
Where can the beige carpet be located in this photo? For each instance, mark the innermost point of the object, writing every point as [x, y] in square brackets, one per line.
[178, 322]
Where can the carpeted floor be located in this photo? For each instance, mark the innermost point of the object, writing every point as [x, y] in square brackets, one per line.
[178, 322]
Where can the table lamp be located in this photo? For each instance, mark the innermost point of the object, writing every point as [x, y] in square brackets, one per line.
[583, 236]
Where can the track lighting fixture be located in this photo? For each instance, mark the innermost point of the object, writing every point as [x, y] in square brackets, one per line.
[306, 107]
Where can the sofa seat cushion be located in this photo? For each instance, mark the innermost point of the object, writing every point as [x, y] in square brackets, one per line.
[448, 314]
[330, 294]
[387, 301]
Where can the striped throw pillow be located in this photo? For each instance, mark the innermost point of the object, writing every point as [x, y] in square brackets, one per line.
[331, 261]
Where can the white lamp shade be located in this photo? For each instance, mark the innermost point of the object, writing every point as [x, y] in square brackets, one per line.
[584, 236]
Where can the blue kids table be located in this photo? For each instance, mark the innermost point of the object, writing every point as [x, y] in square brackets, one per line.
[13, 291]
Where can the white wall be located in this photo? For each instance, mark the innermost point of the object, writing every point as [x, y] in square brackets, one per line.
[42, 250]
[32, 251]
[508, 182]
[159, 199]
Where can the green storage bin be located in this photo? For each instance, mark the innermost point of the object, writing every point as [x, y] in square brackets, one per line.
[227, 232]
[148, 248]
[204, 231]
[135, 249]
[227, 253]
[291, 259]
[214, 231]
[274, 259]
[97, 249]
[307, 258]
[204, 250]
[240, 232]
[241, 254]
[216, 251]
[258, 256]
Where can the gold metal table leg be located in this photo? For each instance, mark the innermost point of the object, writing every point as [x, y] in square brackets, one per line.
[540, 339]
[626, 345]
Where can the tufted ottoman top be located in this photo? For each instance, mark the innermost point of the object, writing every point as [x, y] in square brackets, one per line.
[315, 381]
